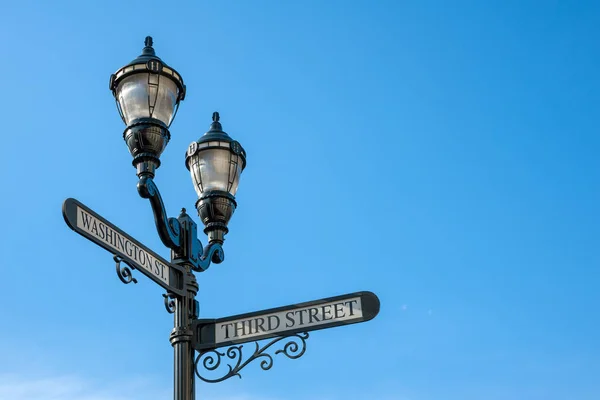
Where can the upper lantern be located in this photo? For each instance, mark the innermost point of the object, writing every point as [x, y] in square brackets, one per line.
[148, 93]
[147, 88]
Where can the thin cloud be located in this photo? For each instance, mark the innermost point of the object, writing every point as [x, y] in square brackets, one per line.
[70, 387]
[73, 387]
[16, 387]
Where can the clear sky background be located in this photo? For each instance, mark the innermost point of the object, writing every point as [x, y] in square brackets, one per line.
[443, 155]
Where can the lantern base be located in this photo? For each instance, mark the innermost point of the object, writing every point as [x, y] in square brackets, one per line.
[146, 139]
[215, 209]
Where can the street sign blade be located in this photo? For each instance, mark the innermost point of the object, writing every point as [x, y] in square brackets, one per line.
[282, 321]
[94, 227]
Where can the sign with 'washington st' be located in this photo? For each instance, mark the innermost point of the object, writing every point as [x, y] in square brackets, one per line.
[319, 314]
[97, 229]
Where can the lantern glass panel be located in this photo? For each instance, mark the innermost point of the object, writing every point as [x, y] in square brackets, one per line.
[146, 95]
[215, 169]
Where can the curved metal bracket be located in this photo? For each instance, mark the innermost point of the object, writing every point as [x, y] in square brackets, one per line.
[211, 360]
[211, 253]
[124, 272]
[169, 229]
[179, 234]
[192, 253]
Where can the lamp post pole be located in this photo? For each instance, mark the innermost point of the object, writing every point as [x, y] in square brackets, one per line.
[181, 339]
[148, 92]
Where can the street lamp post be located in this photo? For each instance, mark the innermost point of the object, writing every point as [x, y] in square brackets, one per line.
[148, 93]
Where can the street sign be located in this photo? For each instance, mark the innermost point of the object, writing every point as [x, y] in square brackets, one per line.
[319, 314]
[97, 229]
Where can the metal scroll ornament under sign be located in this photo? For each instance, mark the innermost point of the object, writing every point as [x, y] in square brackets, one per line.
[125, 248]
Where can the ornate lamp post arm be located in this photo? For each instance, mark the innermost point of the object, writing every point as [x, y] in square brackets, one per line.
[179, 234]
[168, 229]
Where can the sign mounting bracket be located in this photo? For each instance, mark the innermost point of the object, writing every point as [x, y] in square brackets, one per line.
[211, 360]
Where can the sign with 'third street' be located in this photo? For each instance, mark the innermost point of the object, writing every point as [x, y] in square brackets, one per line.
[319, 314]
[97, 229]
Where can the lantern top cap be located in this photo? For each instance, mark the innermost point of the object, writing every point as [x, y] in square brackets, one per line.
[148, 53]
[153, 64]
[216, 137]
[215, 132]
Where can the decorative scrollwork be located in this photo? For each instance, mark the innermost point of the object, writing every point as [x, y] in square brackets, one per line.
[211, 360]
[169, 302]
[124, 271]
[211, 253]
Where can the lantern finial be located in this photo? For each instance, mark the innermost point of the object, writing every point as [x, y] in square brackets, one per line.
[148, 50]
[216, 125]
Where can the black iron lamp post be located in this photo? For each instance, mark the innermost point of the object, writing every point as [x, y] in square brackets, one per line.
[148, 93]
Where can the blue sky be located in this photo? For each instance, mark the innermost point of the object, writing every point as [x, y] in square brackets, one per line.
[443, 155]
